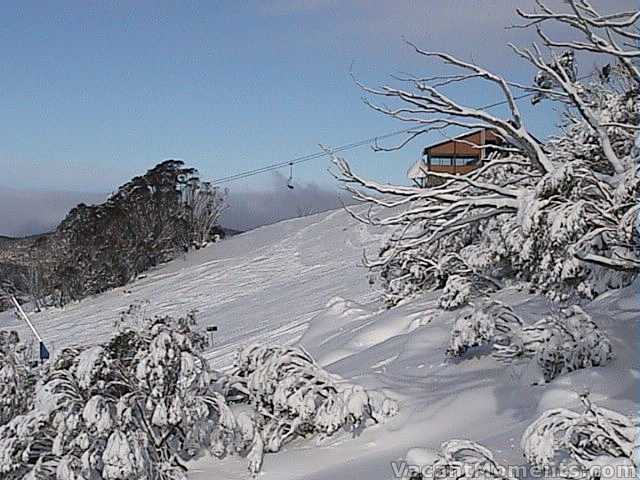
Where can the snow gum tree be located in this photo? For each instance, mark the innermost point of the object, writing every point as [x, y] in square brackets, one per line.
[559, 215]
[149, 220]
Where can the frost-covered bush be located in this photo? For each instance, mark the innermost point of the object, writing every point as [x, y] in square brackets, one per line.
[17, 377]
[561, 343]
[459, 459]
[561, 224]
[132, 409]
[556, 344]
[292, 396]
[482, 325]
[590, 440]
[427, 269]
[456, 292]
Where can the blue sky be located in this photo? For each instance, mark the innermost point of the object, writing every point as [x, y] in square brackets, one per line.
[93, 93]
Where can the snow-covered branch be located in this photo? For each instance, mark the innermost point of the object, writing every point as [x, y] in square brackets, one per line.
[603, 33]
[428, 99]
[566, 80]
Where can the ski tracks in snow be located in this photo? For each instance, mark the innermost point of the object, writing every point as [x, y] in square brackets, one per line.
[262, 286]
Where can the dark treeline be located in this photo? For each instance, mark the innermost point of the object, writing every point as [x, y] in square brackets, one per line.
[149, 220]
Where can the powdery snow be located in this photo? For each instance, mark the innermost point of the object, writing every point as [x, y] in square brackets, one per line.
[301, 281]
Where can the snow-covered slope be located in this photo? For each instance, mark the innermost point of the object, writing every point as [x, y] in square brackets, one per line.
[403, 352]
[302, 281]
[264, 285]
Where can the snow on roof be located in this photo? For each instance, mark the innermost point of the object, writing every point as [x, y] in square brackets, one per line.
[417, 170]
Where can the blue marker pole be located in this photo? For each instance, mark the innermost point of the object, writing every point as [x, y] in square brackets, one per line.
[44, 353]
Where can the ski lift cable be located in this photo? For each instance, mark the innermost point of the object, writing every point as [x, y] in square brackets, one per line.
[346, 147]
[305, 158]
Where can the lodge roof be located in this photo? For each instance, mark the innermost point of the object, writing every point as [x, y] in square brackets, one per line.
[462, 136]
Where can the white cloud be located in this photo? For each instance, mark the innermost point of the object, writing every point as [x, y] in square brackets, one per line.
[469, 28]
[250, 208]
[24, 212]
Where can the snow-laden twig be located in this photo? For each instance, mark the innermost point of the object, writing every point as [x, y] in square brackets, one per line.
[428, 99]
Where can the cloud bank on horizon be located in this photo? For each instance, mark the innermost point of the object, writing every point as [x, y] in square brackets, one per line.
[253, 208]
[24, 212]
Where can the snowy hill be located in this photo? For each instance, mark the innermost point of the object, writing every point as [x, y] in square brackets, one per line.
[264, 285]
[301, 281]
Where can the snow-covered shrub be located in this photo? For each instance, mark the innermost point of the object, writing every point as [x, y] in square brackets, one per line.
[428, 269]
[557, 344]
[483, 325]
[138, 406]
[418, 270]
[131, 409]
[561, 224]
[459, 459]
[17, 377]
[292, 396]
[567, 341]
[456, 292]
[591, 439]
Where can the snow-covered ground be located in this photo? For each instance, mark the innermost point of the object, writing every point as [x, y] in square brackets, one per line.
[265, 285]
[302, 281]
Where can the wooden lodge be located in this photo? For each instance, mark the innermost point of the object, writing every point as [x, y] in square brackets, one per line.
[455, 156]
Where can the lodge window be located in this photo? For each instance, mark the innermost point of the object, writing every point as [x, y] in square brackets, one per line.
[449, 161]
[442, 161]
[467, 161]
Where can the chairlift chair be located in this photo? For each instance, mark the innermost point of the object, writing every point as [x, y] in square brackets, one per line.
[290, 181]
